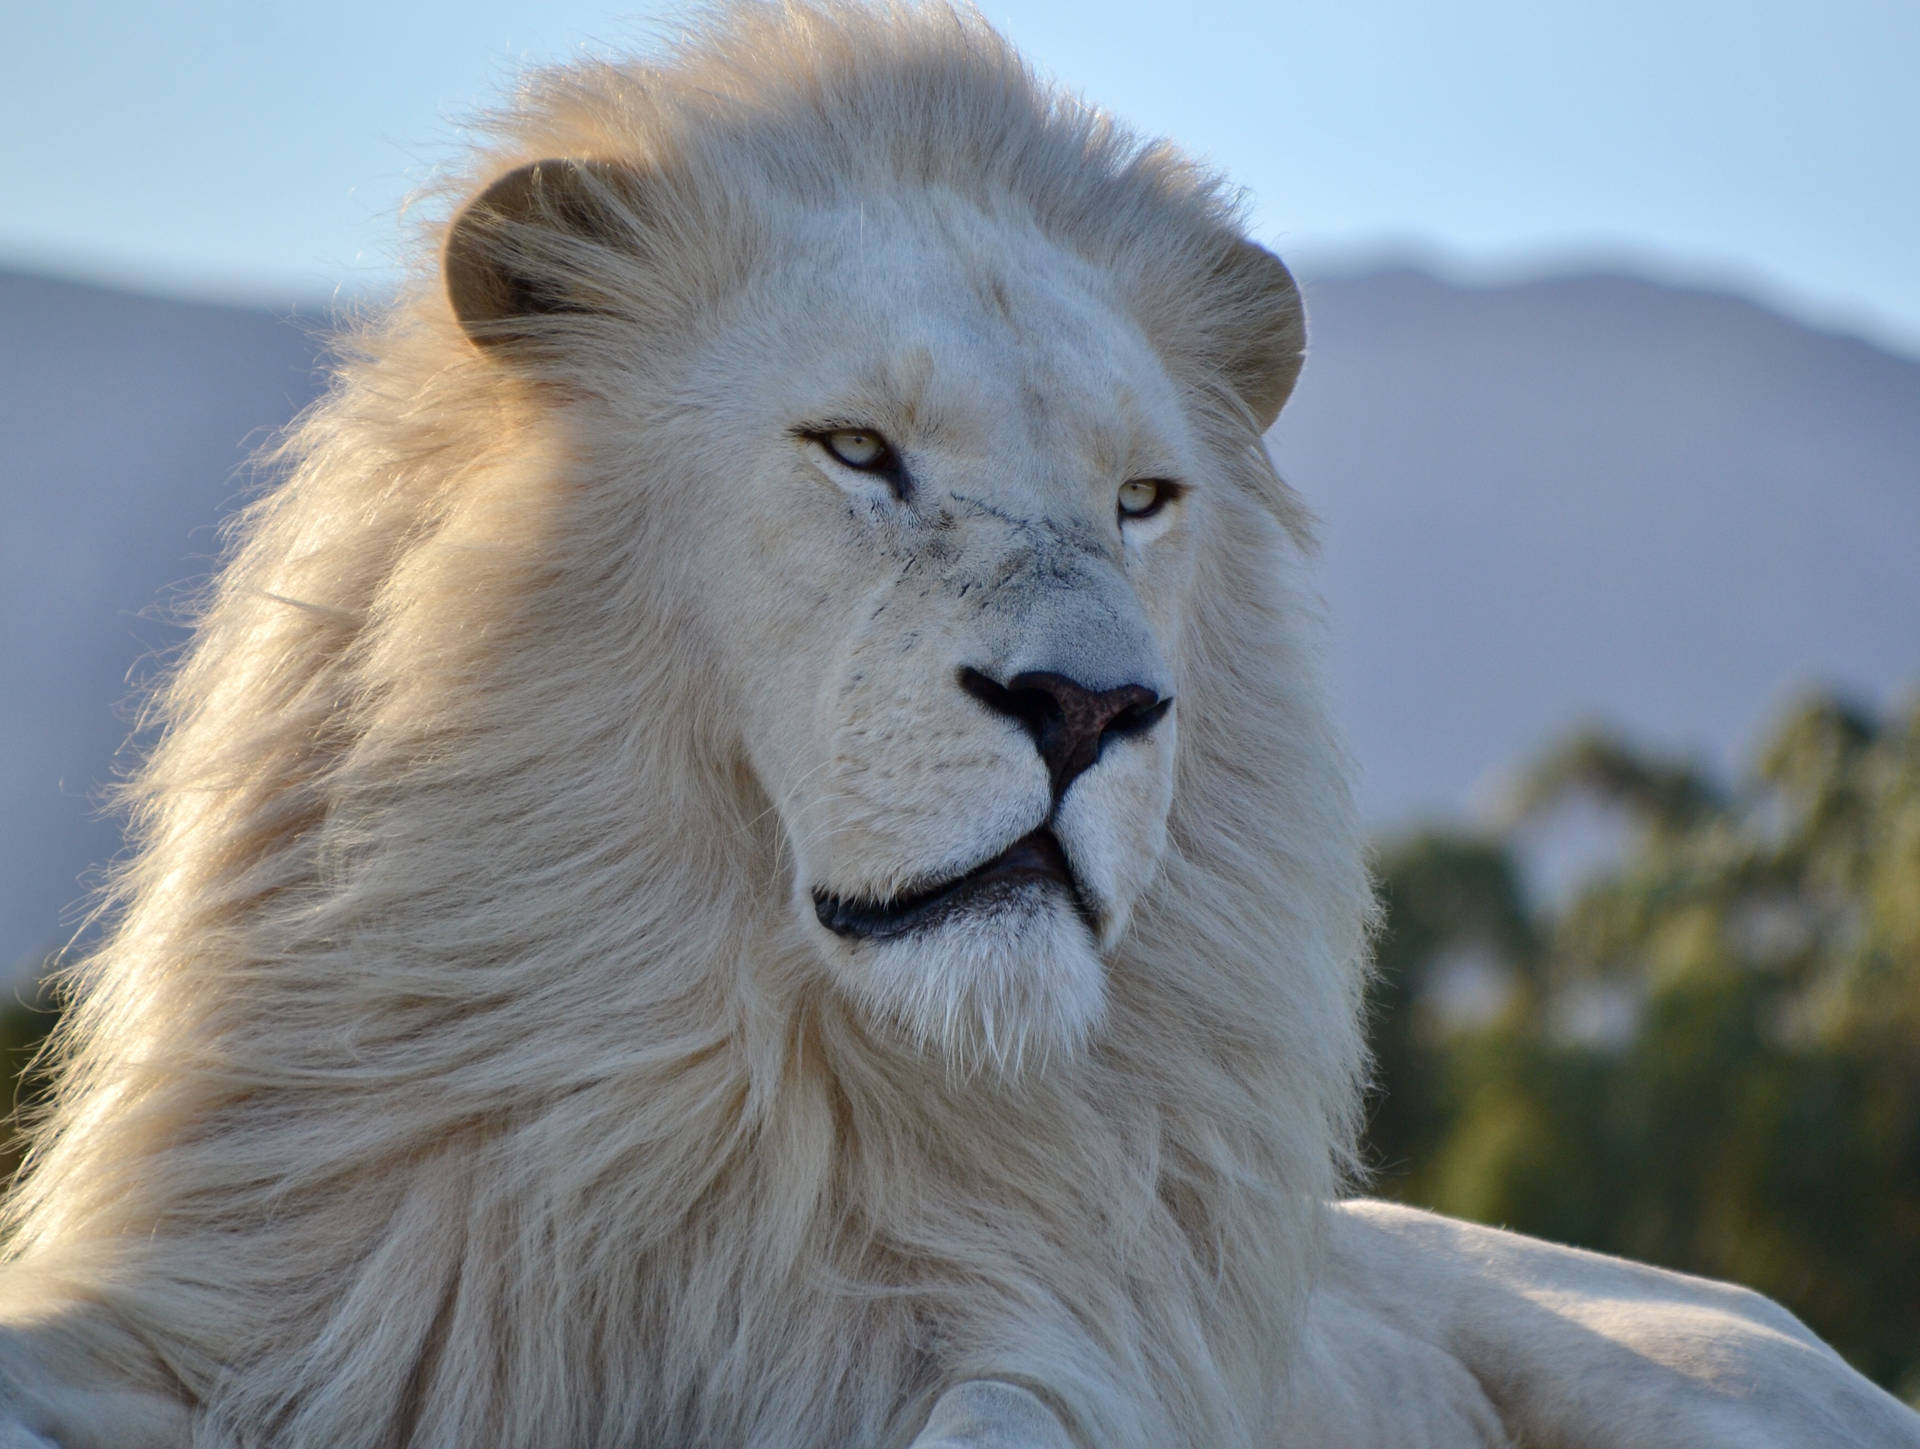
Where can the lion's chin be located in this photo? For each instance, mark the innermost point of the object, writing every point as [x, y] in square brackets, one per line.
[1002, 988]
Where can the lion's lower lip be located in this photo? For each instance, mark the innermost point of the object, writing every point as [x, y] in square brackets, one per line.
[1032, 860]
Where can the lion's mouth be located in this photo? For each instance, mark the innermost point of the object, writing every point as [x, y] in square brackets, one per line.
[1034, 861]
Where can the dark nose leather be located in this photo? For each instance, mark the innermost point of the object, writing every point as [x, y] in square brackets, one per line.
[1069, 722]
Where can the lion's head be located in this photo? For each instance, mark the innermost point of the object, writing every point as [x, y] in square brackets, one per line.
[958, 481]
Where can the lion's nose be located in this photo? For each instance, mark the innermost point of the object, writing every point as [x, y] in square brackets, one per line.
[1069, 722]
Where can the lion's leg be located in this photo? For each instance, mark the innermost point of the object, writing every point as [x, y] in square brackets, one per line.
[1579, 1351]
[991, 1414]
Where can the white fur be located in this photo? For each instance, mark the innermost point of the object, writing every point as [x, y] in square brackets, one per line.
[466, 1066]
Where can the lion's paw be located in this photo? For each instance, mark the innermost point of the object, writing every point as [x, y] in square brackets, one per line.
[991, 1414]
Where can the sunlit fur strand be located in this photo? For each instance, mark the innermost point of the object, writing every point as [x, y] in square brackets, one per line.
[454, 1072]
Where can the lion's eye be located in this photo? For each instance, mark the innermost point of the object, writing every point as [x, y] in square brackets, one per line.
[1144, 497]
[857, 448]
[865, 451]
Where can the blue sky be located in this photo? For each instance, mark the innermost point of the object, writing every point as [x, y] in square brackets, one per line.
[261, 149]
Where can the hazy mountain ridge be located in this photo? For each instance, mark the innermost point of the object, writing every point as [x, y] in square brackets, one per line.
[126, 421]
[1584, 495]
[1596, 496]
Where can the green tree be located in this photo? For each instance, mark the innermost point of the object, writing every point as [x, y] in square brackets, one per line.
[1709, 1056]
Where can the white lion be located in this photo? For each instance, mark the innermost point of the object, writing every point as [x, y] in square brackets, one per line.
[749, 853]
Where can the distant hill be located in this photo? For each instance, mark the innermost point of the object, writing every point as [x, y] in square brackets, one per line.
[1595, 498]
[1589, 496]
[124, 422]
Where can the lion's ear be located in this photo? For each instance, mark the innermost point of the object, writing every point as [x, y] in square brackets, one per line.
[1265, 329]
[522, 249]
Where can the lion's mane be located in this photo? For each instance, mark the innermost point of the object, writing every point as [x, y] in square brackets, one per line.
[441, 1080]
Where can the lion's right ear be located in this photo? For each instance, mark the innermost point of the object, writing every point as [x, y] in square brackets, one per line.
[1266, 329]
[523, 249]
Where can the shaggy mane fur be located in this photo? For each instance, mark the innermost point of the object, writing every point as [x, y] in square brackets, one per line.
[450, 1075]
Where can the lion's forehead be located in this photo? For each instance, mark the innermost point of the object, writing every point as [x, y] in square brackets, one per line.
[979, 332]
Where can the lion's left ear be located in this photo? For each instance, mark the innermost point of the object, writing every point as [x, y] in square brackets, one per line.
[1263, 337]
[532, 246]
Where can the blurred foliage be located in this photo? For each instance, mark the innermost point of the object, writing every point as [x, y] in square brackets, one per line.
[25, 1019]
[1707, 1055]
